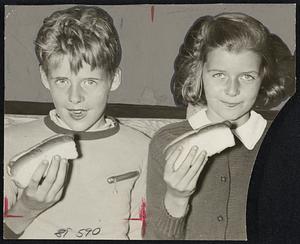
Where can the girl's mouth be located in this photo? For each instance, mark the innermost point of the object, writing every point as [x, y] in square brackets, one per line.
[230, 105]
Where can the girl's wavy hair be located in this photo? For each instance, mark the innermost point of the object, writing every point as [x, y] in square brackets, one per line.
[82, 33]
[234, 32]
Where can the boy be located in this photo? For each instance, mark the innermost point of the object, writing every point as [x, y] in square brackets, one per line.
[79, 54]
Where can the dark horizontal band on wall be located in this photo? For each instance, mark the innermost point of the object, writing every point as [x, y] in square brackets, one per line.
[114, 109]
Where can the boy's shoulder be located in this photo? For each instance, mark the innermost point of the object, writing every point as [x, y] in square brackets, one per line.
[21, 123]
[133, 134]
[25, 127]
[22, 136]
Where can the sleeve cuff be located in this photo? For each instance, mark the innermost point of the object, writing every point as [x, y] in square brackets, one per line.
[9, 234]
[173, 227]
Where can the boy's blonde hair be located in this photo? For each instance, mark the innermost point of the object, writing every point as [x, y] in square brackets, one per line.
[234, 32]
[82, 33]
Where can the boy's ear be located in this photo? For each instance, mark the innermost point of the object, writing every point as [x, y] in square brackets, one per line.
[44, 78]
[116, 80]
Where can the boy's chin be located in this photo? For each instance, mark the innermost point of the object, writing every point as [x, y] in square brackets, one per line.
[80, 126]
[86, 124]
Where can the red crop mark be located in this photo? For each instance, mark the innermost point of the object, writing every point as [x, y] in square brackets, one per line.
[142, 216]
[6, 210]
[152, 13]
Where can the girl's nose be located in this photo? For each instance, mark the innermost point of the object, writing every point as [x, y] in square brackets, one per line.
[75, 94]
[232, 87]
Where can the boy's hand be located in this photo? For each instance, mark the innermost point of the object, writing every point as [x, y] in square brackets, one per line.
[38, 197]
[181, 183]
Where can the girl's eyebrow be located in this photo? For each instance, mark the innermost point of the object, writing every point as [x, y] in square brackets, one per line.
[213, 70]
[251, 71]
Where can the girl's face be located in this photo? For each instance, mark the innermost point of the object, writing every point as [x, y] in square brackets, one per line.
[231, 83]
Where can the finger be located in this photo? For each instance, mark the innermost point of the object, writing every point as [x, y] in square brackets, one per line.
[197, 165]
[185, 166]
[37, 175]
[58, 195]
[51, 175]
[172, 159]
[59, 181]
[194, 180]
[171, 150]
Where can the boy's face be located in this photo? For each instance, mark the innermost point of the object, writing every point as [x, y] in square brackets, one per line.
[80, 99]
[231, 83]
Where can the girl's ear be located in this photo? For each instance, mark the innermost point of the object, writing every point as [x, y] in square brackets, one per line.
[44, 78]
[116, 80]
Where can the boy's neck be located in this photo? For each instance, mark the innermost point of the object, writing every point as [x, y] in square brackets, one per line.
[101, 124]
[85, 135]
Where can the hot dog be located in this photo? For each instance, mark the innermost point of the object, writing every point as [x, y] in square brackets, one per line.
[22, 166]
[213, 138]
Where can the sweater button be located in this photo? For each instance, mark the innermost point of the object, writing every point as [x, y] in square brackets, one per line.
[223, 178]
[220, 218]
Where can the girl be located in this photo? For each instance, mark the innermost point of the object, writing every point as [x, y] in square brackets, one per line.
[230, 63]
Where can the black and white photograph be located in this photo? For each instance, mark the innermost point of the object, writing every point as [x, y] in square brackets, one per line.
[150, 122]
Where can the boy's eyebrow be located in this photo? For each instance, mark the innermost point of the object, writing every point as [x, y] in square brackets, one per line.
[94, 78]
[58, 77]
[88, 78]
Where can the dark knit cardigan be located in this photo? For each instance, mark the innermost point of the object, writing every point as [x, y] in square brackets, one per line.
[273, 207]
[217, 210]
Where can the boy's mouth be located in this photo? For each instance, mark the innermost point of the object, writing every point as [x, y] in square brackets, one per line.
[77, 114]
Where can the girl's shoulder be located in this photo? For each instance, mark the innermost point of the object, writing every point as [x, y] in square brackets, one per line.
[168, 133]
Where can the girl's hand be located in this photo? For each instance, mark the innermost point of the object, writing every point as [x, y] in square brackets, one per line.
[38, 197]
[181, 183]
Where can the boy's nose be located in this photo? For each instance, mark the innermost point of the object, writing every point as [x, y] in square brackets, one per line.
[232, 87]
[75, 94]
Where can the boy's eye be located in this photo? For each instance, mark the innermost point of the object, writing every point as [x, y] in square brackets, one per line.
[89, 83]
[247, 77]
[219, 75]
[61, 82]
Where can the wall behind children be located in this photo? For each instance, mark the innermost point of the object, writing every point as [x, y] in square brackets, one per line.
[150, 36]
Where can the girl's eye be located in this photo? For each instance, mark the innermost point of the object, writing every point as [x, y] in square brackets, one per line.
[62, 82]
[247, 77]
[219, 75]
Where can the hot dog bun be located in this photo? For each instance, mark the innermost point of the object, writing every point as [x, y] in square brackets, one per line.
[22, 166]
[213, 138]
